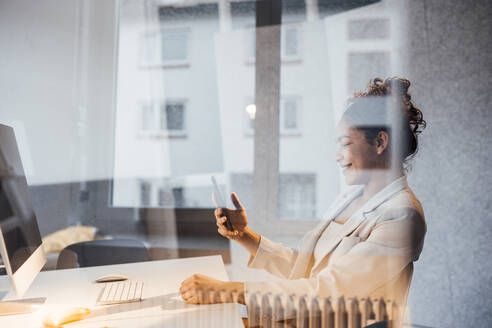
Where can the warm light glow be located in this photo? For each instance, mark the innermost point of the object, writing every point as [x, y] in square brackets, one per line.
[56, 316]
[251, 110]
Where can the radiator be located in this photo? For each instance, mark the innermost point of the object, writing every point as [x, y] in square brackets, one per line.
[315, 312]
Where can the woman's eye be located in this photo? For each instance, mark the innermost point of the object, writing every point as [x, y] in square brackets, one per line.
[345, 144]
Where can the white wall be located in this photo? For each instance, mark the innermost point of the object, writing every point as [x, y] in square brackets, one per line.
[48, 71]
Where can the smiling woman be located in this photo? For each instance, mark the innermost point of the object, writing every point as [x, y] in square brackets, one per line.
[371, 235]
[386, 108]
[378, 133]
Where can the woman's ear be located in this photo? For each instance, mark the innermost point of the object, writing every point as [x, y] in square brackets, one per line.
[382, 141]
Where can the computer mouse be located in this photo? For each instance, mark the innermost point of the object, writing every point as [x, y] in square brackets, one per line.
[111, 277]
[64, 316]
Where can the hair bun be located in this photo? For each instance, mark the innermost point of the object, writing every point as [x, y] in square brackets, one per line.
[398, 85]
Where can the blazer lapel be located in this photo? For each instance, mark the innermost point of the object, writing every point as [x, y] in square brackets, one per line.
[385, 194]
[309, 241]
[352, 223]
[358, 217]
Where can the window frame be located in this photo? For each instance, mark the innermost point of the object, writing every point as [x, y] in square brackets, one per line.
[249, 131]
[298, 130]
[249, 37]
[156, 130]
[178, 62]
[150, 185]
[298, 31]
[154, 45]
[142, 105]
[173, 133]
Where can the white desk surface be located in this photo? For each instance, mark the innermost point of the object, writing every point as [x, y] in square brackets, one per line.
[161, 305]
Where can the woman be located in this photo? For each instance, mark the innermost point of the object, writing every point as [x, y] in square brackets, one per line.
[368, 240]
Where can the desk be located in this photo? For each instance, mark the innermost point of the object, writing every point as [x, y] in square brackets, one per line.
[161, 306]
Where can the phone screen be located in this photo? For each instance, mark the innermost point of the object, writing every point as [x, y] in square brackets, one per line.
[220, 202]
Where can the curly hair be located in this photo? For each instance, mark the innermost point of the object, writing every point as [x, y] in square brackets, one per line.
[375, 109]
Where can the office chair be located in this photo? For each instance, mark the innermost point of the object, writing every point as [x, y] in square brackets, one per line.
[102, 252]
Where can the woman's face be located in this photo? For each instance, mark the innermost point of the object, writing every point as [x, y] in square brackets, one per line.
[356, 156]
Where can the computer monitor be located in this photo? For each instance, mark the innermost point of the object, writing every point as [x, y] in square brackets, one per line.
[20, 240]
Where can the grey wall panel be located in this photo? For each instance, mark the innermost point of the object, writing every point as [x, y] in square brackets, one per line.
[451, 70]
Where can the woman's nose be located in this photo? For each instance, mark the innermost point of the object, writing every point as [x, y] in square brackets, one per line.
[338, 156]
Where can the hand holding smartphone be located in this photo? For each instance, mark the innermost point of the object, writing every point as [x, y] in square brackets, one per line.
[219, 200]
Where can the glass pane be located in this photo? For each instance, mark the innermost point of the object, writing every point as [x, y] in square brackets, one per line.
[290, 42]
[123, 109]
[174, 45]
[290, 114]
[145, 193]
[172, 116]
[148, 117]
[175, 116]
[297, 197]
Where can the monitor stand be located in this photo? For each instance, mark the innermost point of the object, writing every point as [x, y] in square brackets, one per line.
[25, 305]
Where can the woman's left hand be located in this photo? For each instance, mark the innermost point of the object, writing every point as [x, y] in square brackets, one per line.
[200, 289]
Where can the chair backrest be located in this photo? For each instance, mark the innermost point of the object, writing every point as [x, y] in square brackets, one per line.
[102, 252]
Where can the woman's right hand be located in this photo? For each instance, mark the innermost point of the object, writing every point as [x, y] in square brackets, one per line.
[237, 217]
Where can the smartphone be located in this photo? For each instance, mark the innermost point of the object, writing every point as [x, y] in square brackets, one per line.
[220, 202]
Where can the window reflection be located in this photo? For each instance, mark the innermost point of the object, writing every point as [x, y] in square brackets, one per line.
[187, 107]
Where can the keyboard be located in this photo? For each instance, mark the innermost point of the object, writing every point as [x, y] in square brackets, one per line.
[120, 292]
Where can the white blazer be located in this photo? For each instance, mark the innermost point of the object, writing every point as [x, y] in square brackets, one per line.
[372, 255]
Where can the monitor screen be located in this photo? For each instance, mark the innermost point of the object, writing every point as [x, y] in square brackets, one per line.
[17, 219]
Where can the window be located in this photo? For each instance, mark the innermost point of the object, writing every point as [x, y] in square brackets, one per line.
[145, 193]
[289, 115]
[250, 44]
[148, 119]
[249, 114]
[297, 196]
[173, 198]
[290, 43]
[174, 46]
[173, 116]
[149, 49]
[163, 118]
[167, 47]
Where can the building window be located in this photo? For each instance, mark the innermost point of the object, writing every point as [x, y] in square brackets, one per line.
[147, 117]
[248, 115]
[173, 116]
[149, 53]
[289, 115]
[297, 197]
[163, 119]
[289, 43]
[145, 193]
[173, 198]
[174, 46]
[165, 48]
